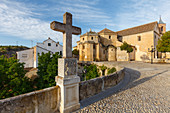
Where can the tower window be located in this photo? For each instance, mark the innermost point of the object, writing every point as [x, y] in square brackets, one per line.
[139, 38]
[91, 38]
[56, 45]
[162, 28]
[109, 37]
[83, 38]
[83, 47]
[49, 44]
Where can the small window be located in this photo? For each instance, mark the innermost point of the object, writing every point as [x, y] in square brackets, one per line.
[91, 38]
[24, 55]
[60, 52]
[162, 28]
[94, 46]
[139, 38]
[109, 37]
[49, 44]
[83, 38]
[83, 47]
[56, 45]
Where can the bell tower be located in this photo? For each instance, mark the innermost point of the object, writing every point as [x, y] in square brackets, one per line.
[162, 26]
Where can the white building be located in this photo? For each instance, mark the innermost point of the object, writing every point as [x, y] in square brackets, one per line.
[30, 56]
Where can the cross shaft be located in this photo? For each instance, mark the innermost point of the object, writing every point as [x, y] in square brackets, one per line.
[67, 29]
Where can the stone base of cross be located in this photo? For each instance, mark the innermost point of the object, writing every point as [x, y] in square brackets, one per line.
[67, 77]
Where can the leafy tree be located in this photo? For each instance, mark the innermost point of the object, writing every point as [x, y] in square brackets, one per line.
[164, 43]
[47, 70]
[112, 70]
[92, 72]
[126, 47]
[12, 78]
[75, 52]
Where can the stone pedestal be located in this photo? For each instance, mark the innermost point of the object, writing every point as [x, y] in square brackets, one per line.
[68, 81]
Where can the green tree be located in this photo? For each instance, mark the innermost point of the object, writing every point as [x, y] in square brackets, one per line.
[164, 43]
[47, 70]
[125, 46]
[12, 78]
[92, 72]
[112, 70]
[75, 52]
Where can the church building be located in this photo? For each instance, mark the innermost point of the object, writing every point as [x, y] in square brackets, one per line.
[30, 56]
[105, 45]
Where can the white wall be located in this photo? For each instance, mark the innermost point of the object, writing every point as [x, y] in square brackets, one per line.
[26, 56]
[53, 46]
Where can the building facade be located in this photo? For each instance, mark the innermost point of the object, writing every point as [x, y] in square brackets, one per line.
[30, 56]
[105, 45]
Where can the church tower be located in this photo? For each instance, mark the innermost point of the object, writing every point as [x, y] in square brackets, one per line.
[162, 26]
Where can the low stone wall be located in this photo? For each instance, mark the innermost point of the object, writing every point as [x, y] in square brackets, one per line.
[42, 101]
[95, 86]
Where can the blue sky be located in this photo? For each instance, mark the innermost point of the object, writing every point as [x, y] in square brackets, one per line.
[24, 20]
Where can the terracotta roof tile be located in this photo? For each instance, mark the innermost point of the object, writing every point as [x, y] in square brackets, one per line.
[137, 29]
[106, 31]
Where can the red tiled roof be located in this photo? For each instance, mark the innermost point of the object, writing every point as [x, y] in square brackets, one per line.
[138, 29]
[106, 31]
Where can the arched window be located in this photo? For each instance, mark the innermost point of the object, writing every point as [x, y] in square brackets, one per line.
[109, 37]
[162, 28]
[91, 38]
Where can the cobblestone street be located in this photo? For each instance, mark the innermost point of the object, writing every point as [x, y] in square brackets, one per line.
[147, 91]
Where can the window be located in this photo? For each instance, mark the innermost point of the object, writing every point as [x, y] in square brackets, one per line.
[139, 38]
[103, 51]
[83, 47]
[162, 28]
[119, 38]
[109, 37]
[155, 36]
[94, 46]
[83, 38]
[60, 52]
[56, 45]
[49, 44]
[91, 38]
[24, 55]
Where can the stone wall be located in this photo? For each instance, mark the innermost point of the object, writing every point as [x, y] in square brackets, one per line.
[42, 101]
[95, 86]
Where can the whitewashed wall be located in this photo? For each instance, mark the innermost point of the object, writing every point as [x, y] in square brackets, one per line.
[26, 56]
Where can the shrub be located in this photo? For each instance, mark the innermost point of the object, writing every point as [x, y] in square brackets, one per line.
[112, 70]
[92, 72]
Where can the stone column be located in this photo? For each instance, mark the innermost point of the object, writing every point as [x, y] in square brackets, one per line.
[68, 81]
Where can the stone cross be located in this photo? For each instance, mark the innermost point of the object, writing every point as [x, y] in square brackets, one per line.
[67, 29]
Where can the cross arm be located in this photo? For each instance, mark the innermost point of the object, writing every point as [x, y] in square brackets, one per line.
[57, 26]
[76, 30]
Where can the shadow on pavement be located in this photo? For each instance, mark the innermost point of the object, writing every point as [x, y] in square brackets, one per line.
[134, 83]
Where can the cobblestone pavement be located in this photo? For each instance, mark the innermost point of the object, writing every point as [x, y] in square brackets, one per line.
[147, 91]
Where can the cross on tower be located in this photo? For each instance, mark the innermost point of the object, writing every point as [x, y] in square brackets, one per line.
[67, 29]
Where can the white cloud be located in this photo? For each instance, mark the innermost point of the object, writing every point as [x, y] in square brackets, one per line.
[25, 20]
[17, 20]
[135, 12]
